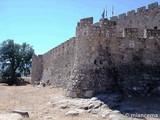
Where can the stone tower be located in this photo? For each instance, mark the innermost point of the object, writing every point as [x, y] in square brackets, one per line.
[120, 54]
[89, 75]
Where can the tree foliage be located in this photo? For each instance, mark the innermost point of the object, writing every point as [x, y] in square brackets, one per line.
[15, 59]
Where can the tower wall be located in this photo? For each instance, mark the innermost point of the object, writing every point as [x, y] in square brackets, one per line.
[137, 61]
[121, 54]
[142, 19]
[58, 63]
[37, 68]
[89, 75]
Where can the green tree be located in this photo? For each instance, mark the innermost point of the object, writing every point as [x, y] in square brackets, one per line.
[15, 59]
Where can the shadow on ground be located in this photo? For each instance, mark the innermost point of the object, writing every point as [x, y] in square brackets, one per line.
[130, 106]
[17, 82]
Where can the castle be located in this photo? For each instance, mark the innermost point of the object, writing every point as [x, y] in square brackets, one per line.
[120, 54]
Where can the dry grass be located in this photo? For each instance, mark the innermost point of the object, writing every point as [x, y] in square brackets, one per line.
[35, 100]
[25, 98]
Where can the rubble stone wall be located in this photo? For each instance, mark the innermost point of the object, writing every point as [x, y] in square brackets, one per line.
[143, 18]
[37, 68]
[57, 65]
[121, 54]
[137, 63]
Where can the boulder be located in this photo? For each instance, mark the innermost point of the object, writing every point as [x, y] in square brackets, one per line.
[90, 106]
[96, 111]
[63, 106]
[84, 106]
[22, 113]
[97, 104]
[94, 99]
[116, 117]
[105, 113]
[89, 93]
[72, 113]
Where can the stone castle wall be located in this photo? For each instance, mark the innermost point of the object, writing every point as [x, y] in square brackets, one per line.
[57, 64]
[121, 54]
[89, 75]
[37, 68]
[137, 62]
[124, 49]
[142, 19]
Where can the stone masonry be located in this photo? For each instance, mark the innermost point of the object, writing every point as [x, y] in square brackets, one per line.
[121, 54]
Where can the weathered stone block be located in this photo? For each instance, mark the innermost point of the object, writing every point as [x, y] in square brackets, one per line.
[89, 93]
[71, 94]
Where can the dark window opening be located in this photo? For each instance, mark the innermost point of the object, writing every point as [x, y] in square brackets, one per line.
[155, 44]
[95, 62]
[101, 62]
[155, 28]
[122, 57]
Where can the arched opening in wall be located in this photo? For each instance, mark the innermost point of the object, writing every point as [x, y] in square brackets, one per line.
[122, 57]
[106, 48]
[85, 33]
[101, 62]
[155, 43]
[155, 28]
[95, 62]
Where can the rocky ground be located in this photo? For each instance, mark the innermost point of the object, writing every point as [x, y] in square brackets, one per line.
[46, 103]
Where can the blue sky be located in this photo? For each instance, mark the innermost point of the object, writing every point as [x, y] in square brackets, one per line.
[44, 24]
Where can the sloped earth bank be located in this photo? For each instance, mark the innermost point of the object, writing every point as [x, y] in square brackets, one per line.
[52, 104]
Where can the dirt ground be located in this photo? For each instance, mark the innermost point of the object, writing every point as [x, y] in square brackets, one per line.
[42, 103]
[35, 100]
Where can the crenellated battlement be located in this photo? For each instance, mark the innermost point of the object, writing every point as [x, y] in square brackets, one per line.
[85, 22]
[141, 9]
[106, 23]
[131, 13]
[128, 45]
[98, 29]
[122, 16]
[154, 7]
[61, 49]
